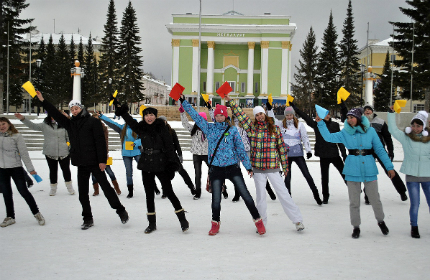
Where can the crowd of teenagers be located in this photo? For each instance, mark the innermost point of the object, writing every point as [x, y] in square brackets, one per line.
[264, 145]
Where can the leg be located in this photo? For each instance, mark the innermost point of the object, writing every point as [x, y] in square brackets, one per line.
[338, 163]
[396, 180]
[414, 195]
[354, 190]
[217, 177]
[83, 189]
[109, 171]
[187, 179]
[375, 201]
[166, 184]
[128, 163]
[305, 171]
[6, 187]
[107, 189]
[65, 167]
[53, 169]
[197, 162]
[149, 185]
[270, 191]
[18, 177]
[426, 189]
[260, 180]
[288, 177]
[324, 166]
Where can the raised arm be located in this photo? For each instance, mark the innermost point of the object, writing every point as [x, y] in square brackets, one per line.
[200, 121]
[28, 123]
[336, 137]
[309, 121]
[112, 124]
[246, 122]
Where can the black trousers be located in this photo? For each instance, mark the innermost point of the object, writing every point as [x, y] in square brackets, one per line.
[84, 173]
[197, 161]
[301, 163]
[397, 182]
[325, 166]
[53, 169]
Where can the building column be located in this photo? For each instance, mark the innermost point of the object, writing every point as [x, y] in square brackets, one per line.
[175, 62]
[368, 98]
[195, 71]
[250, 81]
[289, 72]
[264, 66]
[210, 69]
[285, 71]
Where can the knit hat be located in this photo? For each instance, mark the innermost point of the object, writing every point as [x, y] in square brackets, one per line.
[163, 118]
[258, 109]
[289, 111]
[221, 109]
[368, 107]
[203, 114]
[422, 116]
[75, 103]
[149, 110]
[355, 112]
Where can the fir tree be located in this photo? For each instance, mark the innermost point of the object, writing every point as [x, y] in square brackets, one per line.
[62, 85]
[50, 72]
[306, 73]
[130, 61]
[349, 59]
[80, 53]
[404, 41]
[89, 86]
[383, 88]
[328, 67]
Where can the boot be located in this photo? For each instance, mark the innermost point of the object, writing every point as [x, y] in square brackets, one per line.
[116, 187]
[40, 219]
[236, 195]
[224, 192]
[215, 228]
[383, 228]
[69, 187]
[157, 191]
[356, 233]
[414, 232]
[192, 189]
[317, 198]
[198, 193]
[53, 190]
[181, 216]
[130, 191]
[152, 225]
[260, 226]
[96, 189]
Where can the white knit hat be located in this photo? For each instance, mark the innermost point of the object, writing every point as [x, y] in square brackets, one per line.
[75, 103]
[422, 116]
[258, 109]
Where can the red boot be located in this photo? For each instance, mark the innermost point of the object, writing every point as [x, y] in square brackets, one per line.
[215, 228]
[260, 226]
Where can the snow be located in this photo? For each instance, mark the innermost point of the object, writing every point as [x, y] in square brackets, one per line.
[111, 250]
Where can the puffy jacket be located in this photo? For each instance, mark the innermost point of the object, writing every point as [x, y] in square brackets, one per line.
[382, 129]
[231, 148]
[128, 137]
[358, 168]
[13, 150]
[199, 144]
[55, 139]
[416, 160]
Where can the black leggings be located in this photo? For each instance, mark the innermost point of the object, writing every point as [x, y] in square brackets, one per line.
[53, 169]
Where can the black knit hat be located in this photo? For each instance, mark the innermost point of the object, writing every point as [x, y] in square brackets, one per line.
[368, 107]
[149, 110]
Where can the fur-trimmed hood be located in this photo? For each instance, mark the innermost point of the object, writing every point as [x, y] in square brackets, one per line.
[352, 130]
[419, 137]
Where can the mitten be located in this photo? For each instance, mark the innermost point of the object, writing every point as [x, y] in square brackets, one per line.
[268, 106]
[308, 155]
[121, 110]
[182, 98]
[181, 109]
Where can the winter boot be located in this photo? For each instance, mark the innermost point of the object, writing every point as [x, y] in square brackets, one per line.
[96, 189]
[403, 197]
[215, 228]
[383, 228]
[181, 216]
[40, 219]
[198, 193]
[87, 224]
[130, 191]
[325, 199]
[53, 190]
[270, 191]
[317, 197]
[116, 187]
[69, 187]
[260, 226]
[123, 215]
[152, 225]
[192, 189]
[236, 195]
[414, 232]
[356, 233]
[300, 226]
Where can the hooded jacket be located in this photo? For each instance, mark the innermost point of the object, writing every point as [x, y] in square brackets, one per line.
[13, 150]
[199, 141]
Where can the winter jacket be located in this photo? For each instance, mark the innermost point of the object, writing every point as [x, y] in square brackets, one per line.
[292, 136]
[176, 144]
[416, 160]
[267, 151]
[243, 134]
[158, 153]
[128, 137]
[323, 149]
[384, 134]
[55, 139]
[13, 150]
[358, 168]
[87, 140]
[231, 148]
[199, 142]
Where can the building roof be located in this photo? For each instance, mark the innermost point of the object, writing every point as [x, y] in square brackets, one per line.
[37, 37]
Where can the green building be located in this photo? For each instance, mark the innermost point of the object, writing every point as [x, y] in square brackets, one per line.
[252, 53]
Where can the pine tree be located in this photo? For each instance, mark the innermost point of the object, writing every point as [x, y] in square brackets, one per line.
[39, 73]
[404, 41]
[351, 74]
[306, 73]
[50, 72]
[80, 53]
[89, 86]
[328, 68]
[383, 88]
[62, 85]
[108, 65]
[130, 61]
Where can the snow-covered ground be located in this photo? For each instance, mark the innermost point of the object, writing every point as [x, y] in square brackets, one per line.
[111, 250]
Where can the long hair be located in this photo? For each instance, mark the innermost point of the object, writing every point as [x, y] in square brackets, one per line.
[124, 133]
[296, 122]
[270, 125]
[48, 121]
[360, 124]
[12, 129]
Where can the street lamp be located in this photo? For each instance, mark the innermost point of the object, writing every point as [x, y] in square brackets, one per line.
[362, 68]
[38, 64]
[109, 92]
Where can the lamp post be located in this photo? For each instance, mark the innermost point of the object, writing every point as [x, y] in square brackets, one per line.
[362, 68]
[109, 91]
[38, 64]
[7, 72]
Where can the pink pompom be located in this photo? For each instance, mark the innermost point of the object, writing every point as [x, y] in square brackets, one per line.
[181, 109]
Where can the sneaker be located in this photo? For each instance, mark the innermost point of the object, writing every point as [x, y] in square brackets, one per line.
[196, 197]
[383, 228]
[87, 224]
[215, 228]
[123, 215]
[260, 226]
[40, 219]
[7, 222]
[300, 226]
[356, 233]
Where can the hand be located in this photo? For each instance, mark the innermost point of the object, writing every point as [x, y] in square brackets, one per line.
[39, 95]
[227, 98]
[317, 118]
[65, 114]
[33, 172]
[250, 173]
[208, 105]
[308, 155]
[292, 105]
[181, 159]
[182, 98]
[19, 116]
[268, 106]
[391, 174]
[391, 156]
[102, 166]
[181, 109]
[391, 110]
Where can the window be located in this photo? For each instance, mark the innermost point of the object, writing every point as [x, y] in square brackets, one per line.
[242, 89]
[216, 86]
[256, 88]
[418, 107]
[233, 86]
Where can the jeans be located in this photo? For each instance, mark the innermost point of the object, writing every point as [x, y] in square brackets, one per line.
[197, 161]
[84, 173]
[301, 163]
[53, 169]
[414, 196]
[17, 174]
[217, 177]
[109, 172]
[325, 165]
[128, 163]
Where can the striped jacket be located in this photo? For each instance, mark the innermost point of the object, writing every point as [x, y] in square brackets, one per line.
[267, 151]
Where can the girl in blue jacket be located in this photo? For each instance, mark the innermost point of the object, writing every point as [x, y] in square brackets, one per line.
[361, 140]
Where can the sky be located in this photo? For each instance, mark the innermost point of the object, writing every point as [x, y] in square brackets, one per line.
[87, 17]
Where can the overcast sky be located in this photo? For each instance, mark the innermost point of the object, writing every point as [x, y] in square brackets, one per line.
[88, 16]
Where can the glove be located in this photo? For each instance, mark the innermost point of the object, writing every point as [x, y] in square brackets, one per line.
[293, 105]
[181, 109]
[181, 159]
[308, 155]
[120, 110]
[391, 156]
[268, 106]
[115, 100]
[208, 105]
[182, 98]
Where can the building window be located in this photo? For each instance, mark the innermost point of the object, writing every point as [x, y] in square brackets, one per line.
[419, 107]
[204, 86]
[242, 88]
[256, 88]
[216, 86]
[233, 86]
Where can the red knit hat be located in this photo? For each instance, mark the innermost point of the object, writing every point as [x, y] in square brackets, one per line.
[221, 109]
